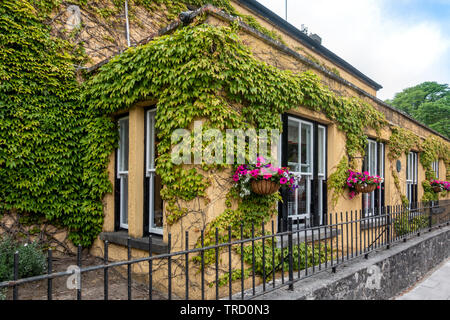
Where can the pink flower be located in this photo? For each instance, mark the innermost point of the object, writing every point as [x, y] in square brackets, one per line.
[280, 171]
[260, 159]
[254, 173]
[283, 180]
[366, 173]
[258, 164]
[236, 178]
[267, 176]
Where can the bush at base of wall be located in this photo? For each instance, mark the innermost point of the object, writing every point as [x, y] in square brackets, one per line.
[32, 261]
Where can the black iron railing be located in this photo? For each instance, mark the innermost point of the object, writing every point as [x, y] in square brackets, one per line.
[302, 251]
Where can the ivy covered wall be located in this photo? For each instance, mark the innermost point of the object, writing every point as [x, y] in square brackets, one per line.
[57, 135]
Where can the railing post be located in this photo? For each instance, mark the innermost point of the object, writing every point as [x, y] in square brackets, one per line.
[49, 272]
[16, 275]
[430, 220]
[79, 256]
[291, 258]
[388, 227]
[105, 271]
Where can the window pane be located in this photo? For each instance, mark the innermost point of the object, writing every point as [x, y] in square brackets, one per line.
[157, 203]
[408, 167]
[373, 158]
[123, 145]
[368, 203]
[298, 199]
[321, 151]
[293, 144]
[306, 148]
[124, 200]
[436, 168]
[381, 167]
[150, 140]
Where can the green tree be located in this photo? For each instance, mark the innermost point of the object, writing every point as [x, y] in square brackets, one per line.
[428, 102]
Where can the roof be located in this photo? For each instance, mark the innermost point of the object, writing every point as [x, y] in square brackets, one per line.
[272, 17]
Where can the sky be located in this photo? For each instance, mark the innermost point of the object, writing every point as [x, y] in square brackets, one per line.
[396, 43]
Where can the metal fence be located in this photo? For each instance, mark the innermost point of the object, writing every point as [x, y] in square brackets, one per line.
[283, 257]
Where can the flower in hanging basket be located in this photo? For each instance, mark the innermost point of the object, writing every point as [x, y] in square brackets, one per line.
[358, 182]
[439, 186]
[262, 178]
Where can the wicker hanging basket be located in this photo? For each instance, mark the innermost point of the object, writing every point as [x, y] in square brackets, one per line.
[437, 189]
[365, 188]
[264, 187]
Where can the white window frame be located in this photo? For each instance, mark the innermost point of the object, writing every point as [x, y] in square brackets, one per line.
[321, 175]
[378, 170]
[150, 169]
[122, 175]
[303, 175]
[435, 167]
[372, 171]
[411, 174]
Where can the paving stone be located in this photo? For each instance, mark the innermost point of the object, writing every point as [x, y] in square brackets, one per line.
[435, 287]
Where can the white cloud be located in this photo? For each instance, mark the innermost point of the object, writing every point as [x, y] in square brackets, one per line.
[395, 51]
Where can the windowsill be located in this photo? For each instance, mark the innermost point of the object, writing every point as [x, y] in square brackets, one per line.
[121, 237]
[300, 236]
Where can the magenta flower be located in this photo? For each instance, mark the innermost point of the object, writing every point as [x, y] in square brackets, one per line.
[260, 159]
[254, 173]
[236, 178]
[283, 180]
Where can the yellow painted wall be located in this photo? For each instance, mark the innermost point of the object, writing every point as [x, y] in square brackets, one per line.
[202, 211]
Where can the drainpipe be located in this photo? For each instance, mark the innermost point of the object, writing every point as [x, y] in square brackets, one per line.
[127, 26]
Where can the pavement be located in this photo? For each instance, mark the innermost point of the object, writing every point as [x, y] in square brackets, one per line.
[434, 286]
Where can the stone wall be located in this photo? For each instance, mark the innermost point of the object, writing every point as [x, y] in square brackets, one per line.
[384, 275]
[28, 228]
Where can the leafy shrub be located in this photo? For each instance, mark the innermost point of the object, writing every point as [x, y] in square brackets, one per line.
[404, 224]
[32, 260]
[301, 252]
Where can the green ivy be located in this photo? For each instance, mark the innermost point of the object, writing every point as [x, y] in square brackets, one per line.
[401, 142]
[56, 136]
[41, 126]
[337, 181]
[432, 149]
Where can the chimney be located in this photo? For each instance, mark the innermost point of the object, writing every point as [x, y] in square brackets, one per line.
[316, 38]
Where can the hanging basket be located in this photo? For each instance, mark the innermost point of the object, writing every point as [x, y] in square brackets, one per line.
[365, 188]
[437, 189]
[264, 187]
